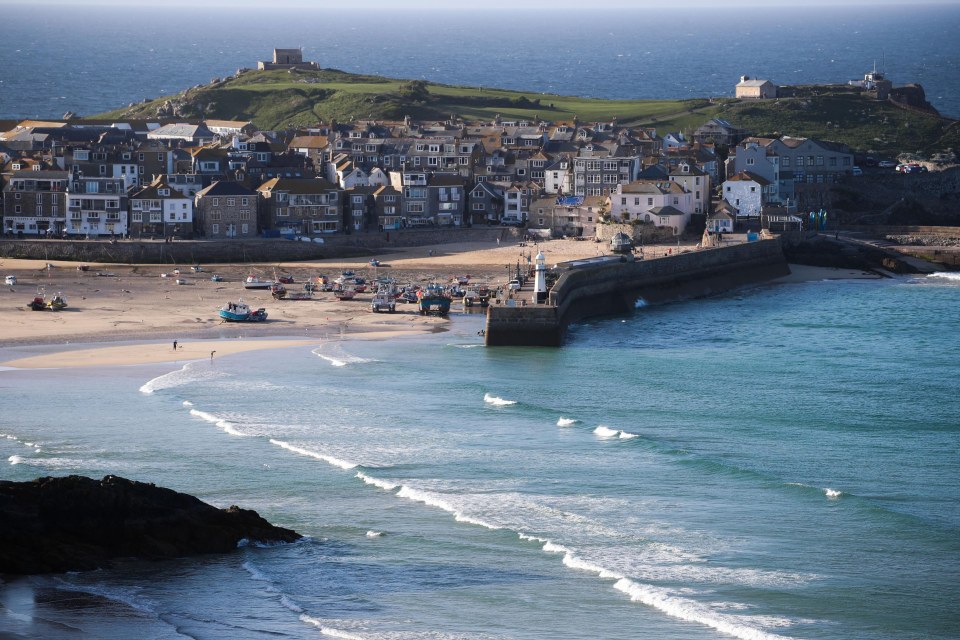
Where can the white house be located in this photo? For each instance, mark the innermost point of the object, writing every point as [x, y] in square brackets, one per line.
[557, 177]
[745, 192]
[647, 200]
[96, 206]
[160, 209]
[696, 182]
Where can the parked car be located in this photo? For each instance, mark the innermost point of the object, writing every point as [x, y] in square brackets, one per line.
[513, 285]
[911, 167]
[887, 164]
[10, 280]
[857, 171]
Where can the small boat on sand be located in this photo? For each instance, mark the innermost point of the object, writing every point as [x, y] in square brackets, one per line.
[253, 282]
[240, 312]
[57, 302]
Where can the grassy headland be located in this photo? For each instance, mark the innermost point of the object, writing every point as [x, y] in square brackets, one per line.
[283, 99]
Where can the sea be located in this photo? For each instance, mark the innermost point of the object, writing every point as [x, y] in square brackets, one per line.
[781, 461]
[778, 462]
[89, 58]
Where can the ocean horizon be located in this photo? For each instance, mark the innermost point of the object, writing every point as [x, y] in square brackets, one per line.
[777, 462]
[93, 59]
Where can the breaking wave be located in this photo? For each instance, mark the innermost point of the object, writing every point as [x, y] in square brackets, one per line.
[226, 425]
[383, 484]
[343, 464]
[497, 402]
[606, 432]
[566, 422]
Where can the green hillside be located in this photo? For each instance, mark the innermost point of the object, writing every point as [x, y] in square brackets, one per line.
[282, 99]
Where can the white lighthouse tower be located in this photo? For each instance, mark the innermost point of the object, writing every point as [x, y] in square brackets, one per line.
[540, 280]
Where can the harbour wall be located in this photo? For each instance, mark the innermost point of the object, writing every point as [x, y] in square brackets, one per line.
[615, 287]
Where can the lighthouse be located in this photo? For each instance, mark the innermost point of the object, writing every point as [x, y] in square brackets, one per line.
[540, 280]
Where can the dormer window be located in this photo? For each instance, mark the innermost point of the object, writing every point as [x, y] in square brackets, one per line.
[163, 192]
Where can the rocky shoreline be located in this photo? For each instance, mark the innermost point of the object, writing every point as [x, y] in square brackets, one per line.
[75, 523]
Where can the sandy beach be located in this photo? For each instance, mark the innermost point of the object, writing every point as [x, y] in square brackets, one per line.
[137, 303]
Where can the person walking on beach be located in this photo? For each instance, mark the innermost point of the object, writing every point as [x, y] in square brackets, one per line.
[174, 345]
[211, 355]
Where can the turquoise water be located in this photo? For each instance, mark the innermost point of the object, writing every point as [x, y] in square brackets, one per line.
[777, 463]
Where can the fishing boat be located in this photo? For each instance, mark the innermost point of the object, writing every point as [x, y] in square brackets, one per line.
[38, 303]
[57, 302]
[280, 292]
[383, 300]
[254, 282]
[432, 299]
[344, 293]
[240, 312]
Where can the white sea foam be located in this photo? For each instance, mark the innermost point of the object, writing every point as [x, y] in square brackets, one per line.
[566, 422]
[553, 547]
[255, 573]
[946, 275]
[329, 631]
[185, 375]
[692, 611]
[383, 484]
[187, 403]
[336, 462]
[375, 534]
[627, 436]
[833, 494]
[434, 500]
[16, 460]
[341, 359]
[640, 303]
[290, 604]
[497, 402]
[606, 432]
[226, 425]
[574, 562]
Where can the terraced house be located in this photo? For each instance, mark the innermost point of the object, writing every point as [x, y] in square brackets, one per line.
[226, 210]
[96, 206]
[302, 206]
[160, 211]
[35, 203]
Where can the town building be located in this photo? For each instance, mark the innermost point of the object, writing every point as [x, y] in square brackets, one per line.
[35, 203]
[226, 210]
[158, 210]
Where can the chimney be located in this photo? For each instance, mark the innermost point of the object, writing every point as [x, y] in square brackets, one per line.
[744, 78]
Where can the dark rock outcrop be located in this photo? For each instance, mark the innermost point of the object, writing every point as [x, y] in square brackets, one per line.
[78, 523]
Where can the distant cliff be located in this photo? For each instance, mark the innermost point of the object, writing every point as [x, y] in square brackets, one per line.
[78, 523]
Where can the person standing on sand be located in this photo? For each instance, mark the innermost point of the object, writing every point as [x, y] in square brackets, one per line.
[174, 345]
[211, 355]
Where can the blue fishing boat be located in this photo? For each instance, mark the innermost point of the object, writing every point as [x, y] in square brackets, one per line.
[240, 312]
[433, 299]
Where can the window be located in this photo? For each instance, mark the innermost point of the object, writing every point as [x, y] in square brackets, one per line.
[650, 200]
[623, 201]
[231, 202]
[245, 229]
[215, 228]
[136, 216]
[215, 215]
[215, 202]
[750, 162]
[799, 161]
[785, 161]
[819, 161]
[753, 189]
